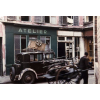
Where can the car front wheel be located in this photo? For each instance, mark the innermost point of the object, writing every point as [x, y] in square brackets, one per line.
[28, 78]
[12, 74]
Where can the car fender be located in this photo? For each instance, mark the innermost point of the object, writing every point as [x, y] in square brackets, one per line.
[25, 70]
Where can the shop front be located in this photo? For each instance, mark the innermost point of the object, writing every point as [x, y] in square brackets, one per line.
[70, 44]
[18, 37]
[88, 38]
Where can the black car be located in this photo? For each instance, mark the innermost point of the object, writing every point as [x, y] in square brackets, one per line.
[29, 66]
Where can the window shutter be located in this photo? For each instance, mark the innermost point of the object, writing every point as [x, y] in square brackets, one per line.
[76, 21]
[63, 20]
[39, 19]
[11, 18]
[60, 20]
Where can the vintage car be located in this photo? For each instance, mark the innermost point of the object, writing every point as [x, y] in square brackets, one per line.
[29, 66]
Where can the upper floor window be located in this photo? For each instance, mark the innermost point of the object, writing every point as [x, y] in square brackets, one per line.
[70, 17]
[88, 18]
[50, 19]
[70, 20]
[53, 19]
[47, 19]
[24, 18]
[11, 18]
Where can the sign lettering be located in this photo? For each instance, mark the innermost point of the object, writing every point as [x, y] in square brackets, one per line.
[32, 31]
[24, 30]
[20, 30]
[29, 30]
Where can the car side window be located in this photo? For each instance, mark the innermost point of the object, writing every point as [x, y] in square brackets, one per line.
[31, 58]
[49, 56]
[36, 57]
[40, 57]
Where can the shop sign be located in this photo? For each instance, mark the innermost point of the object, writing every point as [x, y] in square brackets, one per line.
[32, 31]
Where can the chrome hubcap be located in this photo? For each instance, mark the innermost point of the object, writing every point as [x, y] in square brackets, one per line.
[28, 78]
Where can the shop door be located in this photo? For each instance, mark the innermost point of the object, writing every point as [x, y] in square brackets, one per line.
[69, 50]
[0, 56]
[61, 49]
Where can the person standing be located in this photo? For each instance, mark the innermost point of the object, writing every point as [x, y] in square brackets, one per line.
[83, 65]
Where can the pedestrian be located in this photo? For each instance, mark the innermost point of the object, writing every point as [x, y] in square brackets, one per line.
[83, 65]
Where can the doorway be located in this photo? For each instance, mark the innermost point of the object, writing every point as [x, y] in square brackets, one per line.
[1, 70]
[61, 50]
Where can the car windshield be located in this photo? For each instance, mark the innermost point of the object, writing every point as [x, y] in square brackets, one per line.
[49, 56]
[36, 57]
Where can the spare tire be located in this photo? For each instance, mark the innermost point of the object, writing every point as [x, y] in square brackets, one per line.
[12, 74]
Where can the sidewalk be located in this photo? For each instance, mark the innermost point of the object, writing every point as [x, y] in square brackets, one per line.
[4, 79]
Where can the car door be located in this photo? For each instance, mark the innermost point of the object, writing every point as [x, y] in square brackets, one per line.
[48, 60]
[37, 63]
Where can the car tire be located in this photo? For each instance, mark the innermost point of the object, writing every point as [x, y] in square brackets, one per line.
[28, 78]
[12, 74]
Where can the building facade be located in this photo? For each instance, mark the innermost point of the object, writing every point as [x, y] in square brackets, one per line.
[96, 37]
[66, 35]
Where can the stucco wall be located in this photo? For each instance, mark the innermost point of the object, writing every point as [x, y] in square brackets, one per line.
[2, 34]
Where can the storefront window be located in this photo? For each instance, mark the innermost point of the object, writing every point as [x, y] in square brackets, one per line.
[77, 48]
[69, 38]
[47, 41]
[32, 37]
[67, 46]
[23, 42]
[61, 38]
[91, 47]
[69, 50]
[19, 44]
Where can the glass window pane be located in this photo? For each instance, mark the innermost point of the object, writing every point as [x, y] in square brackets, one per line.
[23, 42]
[46, 40]
[69, 50]
[90, 47]
[49, 56]
[69, 38]
[17, 44]
[31, 37]
[77, 48]
[47, 43]
[53, 19]
[40, 57]
[42, 38]
[31, 58]
[61, 38]
[91, 53]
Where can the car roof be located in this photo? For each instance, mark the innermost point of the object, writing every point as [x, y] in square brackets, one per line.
[37, 52]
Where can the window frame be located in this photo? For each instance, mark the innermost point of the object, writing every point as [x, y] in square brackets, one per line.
[55, 20]
[19, 44]
[26, 21]
[45, 40]
[50, 22]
